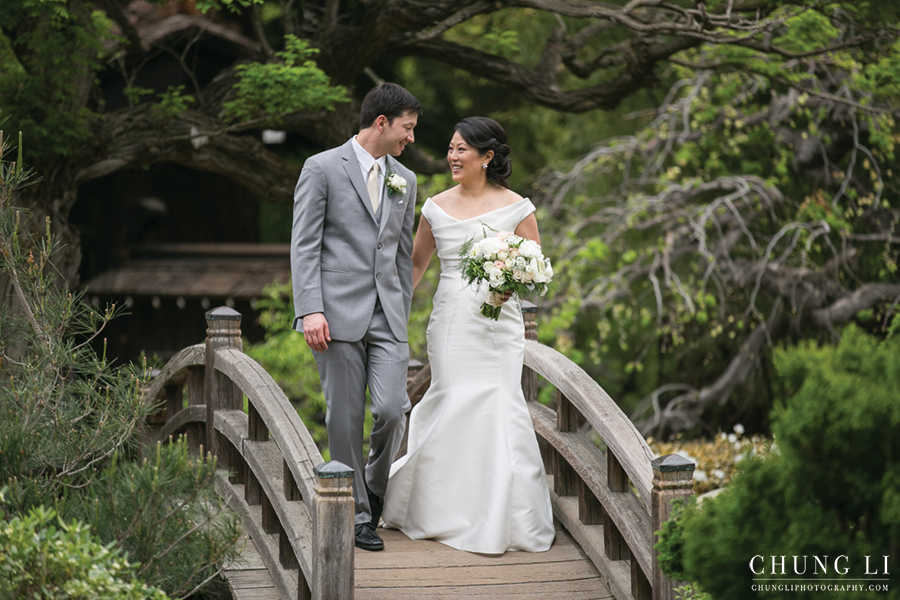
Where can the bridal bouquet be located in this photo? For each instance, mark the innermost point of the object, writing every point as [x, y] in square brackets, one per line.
[507, 263]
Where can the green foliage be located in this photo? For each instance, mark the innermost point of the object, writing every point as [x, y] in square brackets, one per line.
[134, 93]
[671, 540]
[40, 64]
[70, 426]
[162, 512]
[690, 592]
[286, 357]
[231, 5]
[173, 101]
[275, 89]
[46, 557]
[630, 299]
[834, 489]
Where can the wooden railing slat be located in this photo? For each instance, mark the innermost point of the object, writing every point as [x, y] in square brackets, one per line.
[640, 586]
[565, 480]
[191, 414]
[616, 477]
[590, 511]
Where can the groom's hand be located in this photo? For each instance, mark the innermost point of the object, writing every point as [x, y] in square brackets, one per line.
[315, 331]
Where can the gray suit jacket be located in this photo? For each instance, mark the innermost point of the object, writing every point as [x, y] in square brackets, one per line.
[341, 257]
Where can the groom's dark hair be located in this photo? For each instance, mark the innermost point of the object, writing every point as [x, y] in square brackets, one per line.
[390, 100]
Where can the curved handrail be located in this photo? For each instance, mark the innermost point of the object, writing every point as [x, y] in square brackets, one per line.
[175, 370]
[281, 420]
[603, 414]
[307, 502]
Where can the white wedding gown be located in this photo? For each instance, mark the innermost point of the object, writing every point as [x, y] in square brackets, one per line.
[472, 477]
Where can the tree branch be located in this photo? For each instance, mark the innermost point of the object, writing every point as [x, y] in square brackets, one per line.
[848, 306]
[533, 86]
[135, 138]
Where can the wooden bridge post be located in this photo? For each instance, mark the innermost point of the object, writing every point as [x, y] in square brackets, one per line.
[223, 332]
[333, 532]
[529, 377]
[672, 479]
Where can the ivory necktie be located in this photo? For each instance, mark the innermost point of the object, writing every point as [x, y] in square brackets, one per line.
[372, 186]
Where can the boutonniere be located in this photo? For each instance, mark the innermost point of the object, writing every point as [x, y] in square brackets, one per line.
[395, 184]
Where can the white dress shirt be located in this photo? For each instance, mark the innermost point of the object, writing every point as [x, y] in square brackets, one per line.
[365, 161]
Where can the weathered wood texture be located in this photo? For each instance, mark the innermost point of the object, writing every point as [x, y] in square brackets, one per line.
[176, 371]
[274, 409]
[589, 465]
[604, 415]
[333, 541]
[613, 522]
[248, 577]
[265, 460]
[407, 570]
[223, 331]
[301, 521]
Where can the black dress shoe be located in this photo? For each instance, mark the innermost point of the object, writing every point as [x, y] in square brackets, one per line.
[366, 538]
[376, 506]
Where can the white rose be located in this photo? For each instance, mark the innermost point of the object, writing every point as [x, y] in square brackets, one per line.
[548, 270]
[518, 275]
[488, 267]
[509, 263]
[530, 249]
[503, 255]
[397, 182]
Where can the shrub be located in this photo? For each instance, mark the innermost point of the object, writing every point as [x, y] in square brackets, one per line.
[45, 557]
[69, 433]
[834, 488]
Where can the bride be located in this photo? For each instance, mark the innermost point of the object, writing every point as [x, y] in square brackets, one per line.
[472, 477]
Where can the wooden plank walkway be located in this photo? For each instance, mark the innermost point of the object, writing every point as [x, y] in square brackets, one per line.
[248, 578]
[407, 570]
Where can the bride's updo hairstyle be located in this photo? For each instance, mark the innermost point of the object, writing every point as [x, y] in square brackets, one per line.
[485, 134]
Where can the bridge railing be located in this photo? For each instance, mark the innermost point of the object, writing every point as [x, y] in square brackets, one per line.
[611, 502]
[296, 508]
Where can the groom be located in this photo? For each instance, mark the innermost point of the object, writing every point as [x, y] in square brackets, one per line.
[351, 265]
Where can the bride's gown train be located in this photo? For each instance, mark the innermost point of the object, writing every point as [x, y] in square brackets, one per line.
[473, 476]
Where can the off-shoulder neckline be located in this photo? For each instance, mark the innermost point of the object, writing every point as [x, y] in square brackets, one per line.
[476, 216]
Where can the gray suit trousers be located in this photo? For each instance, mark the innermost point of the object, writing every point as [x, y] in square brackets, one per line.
[380, 362]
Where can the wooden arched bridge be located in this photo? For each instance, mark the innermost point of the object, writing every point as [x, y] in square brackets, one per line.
[298, 510]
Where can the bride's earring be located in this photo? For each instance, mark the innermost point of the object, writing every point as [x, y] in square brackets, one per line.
[484, 165]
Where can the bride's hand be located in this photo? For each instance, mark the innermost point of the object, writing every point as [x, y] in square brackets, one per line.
[507, 296]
